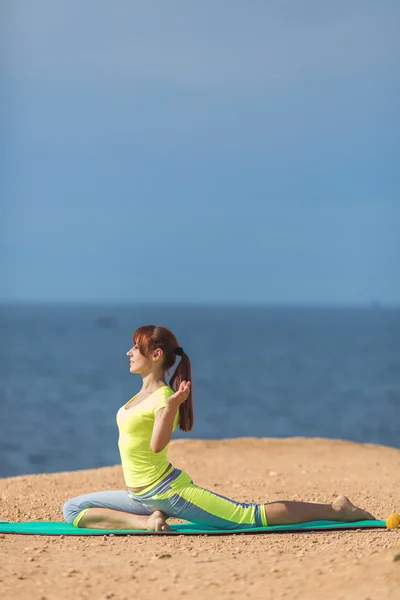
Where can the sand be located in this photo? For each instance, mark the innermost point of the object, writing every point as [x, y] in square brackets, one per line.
[338, 564]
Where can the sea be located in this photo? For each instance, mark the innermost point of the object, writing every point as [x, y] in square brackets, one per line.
[258, 371]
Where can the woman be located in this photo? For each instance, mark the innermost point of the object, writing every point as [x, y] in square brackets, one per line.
[156, 489]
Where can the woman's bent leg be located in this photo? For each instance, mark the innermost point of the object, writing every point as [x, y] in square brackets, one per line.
[111, 510]
[288, 512]
[107, 518]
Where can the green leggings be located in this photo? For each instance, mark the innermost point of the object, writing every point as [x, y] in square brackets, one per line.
[176, 496]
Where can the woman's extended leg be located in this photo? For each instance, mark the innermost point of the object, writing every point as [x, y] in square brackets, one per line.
[178, 496]
[112, 510]
[288, 512]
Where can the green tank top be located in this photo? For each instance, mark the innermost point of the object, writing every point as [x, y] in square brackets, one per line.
[140, 465]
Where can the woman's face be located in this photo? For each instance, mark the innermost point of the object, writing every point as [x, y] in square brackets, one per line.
[137, 362]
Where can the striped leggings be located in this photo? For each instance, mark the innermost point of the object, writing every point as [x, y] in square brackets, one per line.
[176, 496]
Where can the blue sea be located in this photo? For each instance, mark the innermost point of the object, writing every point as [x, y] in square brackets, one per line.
[257, 371]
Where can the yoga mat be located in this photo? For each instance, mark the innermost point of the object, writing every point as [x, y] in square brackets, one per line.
[62, 528]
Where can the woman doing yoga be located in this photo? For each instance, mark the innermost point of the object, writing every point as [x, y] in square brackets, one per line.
[156, 490]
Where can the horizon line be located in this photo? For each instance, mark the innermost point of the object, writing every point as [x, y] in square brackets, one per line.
[372, 304]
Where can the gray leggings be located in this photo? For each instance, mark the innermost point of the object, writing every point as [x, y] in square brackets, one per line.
[114, 499]
[176, 496]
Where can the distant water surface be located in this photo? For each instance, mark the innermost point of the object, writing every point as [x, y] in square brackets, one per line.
[264, 372]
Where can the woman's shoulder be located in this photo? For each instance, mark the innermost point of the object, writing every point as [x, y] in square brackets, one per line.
[159, 399]
[164, 392]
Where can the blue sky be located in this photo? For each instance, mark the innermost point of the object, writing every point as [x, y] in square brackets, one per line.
[206, 151]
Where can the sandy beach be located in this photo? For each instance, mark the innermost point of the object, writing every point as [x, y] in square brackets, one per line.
[338, 564]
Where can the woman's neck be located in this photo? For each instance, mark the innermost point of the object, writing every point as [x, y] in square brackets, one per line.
[151, 382]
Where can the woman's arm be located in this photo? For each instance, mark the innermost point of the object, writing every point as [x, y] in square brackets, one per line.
[164, 419]
[163, 427]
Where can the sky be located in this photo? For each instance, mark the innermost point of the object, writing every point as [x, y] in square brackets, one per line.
[200, 152]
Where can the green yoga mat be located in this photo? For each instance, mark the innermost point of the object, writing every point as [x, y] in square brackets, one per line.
[61, 528]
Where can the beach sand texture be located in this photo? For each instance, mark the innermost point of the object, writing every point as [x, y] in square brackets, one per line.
[338, 564]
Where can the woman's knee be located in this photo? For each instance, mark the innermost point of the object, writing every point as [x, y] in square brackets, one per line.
[71, 510]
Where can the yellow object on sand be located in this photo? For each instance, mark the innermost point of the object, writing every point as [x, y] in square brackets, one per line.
[393, 521]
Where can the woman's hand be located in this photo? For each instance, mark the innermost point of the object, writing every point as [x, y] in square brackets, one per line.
[181, 395]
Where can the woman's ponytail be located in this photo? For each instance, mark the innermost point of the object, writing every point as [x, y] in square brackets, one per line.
[183, 372]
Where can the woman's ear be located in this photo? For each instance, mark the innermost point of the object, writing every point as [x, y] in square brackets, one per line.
[157, 353]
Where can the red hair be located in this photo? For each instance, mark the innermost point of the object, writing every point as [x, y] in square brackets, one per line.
[149, 337]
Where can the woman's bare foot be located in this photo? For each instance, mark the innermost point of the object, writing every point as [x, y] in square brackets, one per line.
[348, 512]
[156, 522]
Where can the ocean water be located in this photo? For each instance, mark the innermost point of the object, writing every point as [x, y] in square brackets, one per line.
[257, 371]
